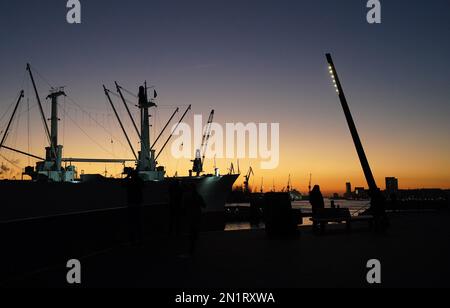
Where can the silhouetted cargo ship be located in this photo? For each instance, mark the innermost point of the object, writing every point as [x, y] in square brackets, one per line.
[57, 190]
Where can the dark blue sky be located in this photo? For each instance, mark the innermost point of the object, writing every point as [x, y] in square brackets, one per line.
[252, 60]
[230, 45]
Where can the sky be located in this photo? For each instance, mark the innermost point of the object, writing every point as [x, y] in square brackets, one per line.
[252, 61]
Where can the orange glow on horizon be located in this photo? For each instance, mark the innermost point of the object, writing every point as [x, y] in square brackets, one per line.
[306, 146]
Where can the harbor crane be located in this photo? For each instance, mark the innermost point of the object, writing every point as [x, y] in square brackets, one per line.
[247, 180]
[231, 169]
[200, 154]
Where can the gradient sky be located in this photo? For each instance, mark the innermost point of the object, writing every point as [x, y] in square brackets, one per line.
[252, 61]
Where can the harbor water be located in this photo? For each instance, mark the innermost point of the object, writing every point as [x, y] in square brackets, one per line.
[354, 206]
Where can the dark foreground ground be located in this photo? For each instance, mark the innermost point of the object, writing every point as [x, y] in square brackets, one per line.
[415, 252]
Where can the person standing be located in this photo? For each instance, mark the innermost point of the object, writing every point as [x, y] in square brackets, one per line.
[175, 203]
[194, 204]
[134, 187]
[316, 201]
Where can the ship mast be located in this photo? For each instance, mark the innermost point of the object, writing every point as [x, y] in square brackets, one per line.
[146, 160]
[55, 151]
[146, 156]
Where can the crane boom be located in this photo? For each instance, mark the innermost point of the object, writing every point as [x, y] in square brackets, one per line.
[41, 110]
[164, 129]
[173, 131]
[22, 152]
[120, 121]
[119, 90]
[206, 136]
[5, 135]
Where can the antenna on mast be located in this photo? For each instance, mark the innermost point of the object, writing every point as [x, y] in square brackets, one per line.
[309, 186]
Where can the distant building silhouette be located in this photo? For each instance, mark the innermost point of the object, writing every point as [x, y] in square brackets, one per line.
[391, 186]
[348, 190]
[424, 194]
[360, 193]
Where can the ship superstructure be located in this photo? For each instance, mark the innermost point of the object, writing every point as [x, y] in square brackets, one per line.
[55, 178]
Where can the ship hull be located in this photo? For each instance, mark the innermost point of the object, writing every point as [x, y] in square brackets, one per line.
[25, 200]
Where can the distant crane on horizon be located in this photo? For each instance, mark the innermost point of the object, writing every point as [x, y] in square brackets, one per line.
[310, 179]
[200, 155]
[289, 184]
[247, 180]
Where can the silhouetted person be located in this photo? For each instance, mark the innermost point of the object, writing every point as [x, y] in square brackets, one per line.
[316, 201]
[333, 205]
[134, 185]
[394, 204]
[193, 203]
[378, 209]
[175, 207]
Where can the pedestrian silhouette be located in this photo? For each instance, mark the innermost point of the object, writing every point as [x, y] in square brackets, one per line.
[378, 204]
[394, 204]
[175, 207]
[316, 201]
[134, 186]
[193, 204]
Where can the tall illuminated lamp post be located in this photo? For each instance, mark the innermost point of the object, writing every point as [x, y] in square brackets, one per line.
[378, 202]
